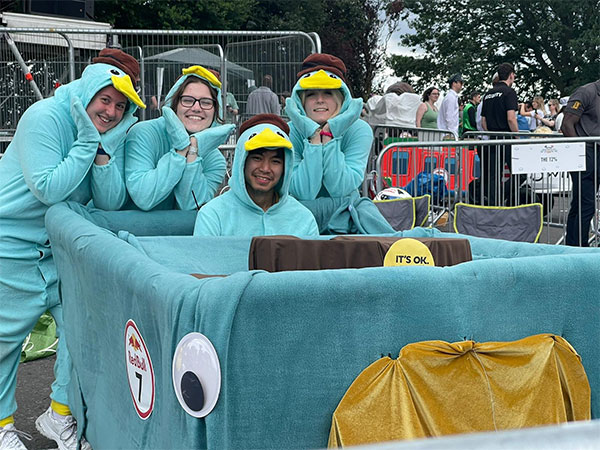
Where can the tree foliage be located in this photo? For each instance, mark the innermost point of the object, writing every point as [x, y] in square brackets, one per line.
[354, 30]
[175, 14]
[554, 44]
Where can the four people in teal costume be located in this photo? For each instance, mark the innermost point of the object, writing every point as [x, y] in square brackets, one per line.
[258, 202]
[67, 147]
[174, 162]
[76, 146]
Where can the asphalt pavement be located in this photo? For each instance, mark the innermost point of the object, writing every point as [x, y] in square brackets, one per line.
[33, 398]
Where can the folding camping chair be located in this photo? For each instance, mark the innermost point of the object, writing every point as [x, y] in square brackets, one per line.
[405, 213]
[521, 223]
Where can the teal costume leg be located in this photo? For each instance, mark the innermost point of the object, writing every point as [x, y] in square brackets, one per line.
[62, 366]
[24, 297]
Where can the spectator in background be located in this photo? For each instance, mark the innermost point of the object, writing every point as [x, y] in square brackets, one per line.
[470, 112]
[398, 107]
[495, 80]
[559, 118]
[448, 115]
[525, 116]
[231, 108]
[540, 104]
[549, 120]
[582, 118]
[427, 112]
[263, 100]
[499, 113]
[282, 98]
[538, 109]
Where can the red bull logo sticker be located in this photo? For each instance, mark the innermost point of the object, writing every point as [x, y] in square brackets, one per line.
[140, 374]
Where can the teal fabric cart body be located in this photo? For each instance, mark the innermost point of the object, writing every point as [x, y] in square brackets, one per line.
[289, 343]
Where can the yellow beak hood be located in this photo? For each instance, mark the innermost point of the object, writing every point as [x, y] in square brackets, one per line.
[124, 85]
[203, 73]
[320, 80]
[266, 139]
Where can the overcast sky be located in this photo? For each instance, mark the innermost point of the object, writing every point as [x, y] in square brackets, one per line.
[393, 48]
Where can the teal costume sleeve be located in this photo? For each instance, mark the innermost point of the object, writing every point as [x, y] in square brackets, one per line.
[152, 167]
[50, 175]
[338, 166]
[206, 173]
[176, 132]
[303, 125]
[113, 173]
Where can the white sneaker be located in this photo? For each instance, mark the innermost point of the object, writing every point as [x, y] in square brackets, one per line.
[10, 438]
[63, 432]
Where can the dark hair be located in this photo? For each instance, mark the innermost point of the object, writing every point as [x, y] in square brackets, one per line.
[259, 151]
[504, 71]
[268, 81]
[427, 93]
[213, 94]
[474, 94]
[400, 88]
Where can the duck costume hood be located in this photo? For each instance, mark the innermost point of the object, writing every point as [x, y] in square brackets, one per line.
[322, 71]
[234, 213]
[94, 78]
[212, 77]
[74, 97]
[261, 131]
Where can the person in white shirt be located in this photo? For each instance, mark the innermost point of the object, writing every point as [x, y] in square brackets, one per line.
[448, 116]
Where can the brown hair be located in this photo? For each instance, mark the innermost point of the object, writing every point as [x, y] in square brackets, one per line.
[213, 94]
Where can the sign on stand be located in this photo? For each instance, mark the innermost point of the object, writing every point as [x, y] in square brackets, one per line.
[544, 158]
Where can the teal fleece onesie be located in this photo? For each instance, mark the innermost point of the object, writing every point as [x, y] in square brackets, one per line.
[337, 168]
[234, 213]
[50, 159]
[157, 176]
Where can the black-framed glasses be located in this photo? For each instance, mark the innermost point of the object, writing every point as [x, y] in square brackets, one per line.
[187, 101]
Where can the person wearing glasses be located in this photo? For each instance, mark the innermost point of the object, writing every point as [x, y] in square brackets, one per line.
[174, 162]
[427, 112]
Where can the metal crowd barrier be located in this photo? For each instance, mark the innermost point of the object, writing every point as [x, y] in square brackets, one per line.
[478, 172]
[35, 61]
[384, 134]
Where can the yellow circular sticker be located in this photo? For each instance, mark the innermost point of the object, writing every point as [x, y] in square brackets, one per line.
[408, 252]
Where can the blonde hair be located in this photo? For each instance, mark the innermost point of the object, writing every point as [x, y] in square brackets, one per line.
[539, 100]
[543, 130]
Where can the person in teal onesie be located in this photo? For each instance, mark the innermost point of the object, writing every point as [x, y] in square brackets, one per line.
[258, 203]
[331, 148]
[331, 142]
[174, 162]
[67, 147]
